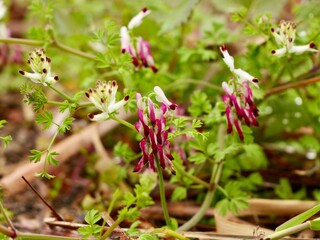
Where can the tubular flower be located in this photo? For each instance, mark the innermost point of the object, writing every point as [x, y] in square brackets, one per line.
[238, 98]
[103, 97]
[137, 20]
[40, 65]
[285, 35]
[141, 53]
[161, 97]
[154, 145]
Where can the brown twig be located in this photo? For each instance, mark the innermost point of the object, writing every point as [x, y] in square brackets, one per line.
[54, 212]
[285, 87]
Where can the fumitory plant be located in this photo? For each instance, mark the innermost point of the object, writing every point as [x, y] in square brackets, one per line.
[195, 123]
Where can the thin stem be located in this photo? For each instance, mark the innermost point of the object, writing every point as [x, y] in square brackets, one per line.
[61, 93]
[289, 231]
[7, 232]
[162, 194]
[73, 51]
[13, 231]
[84, 105]
[190, 176]
[214, 180]
[170, 233]
[123, 122]
[56, 103]
[111, 228]
[22, 41]
[27, 236]
[292, 85]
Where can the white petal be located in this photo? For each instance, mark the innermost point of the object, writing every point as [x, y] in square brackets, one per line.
[226, 88]
[160, 96]
[279, 52]
[100, 117]
[117, 106]
[227, 58]
[125, 38]
[302, 49]
[244, 76]
[137, 20]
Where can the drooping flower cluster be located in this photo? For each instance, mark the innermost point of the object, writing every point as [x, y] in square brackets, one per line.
[41, 67]
[285, 35]
[103, 98]
[8, 54]
[238, 97]
[141, 54]
[152, 126]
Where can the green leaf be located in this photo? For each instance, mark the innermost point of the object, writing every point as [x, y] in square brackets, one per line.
[315, 224]
[129, 199]
[36, 156]
[124, 151]
[92, 217]
[50, 158]
[44, 174]
[200, 104]
[300, 218]
[133, 228]
[66, 125]
[2, 122]
[179, 193]
[6, 140]
[198, 158]
[46, 118]
[147, 236]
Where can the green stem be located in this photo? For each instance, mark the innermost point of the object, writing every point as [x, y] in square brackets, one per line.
[26, 236]
[123, 122]
[22, 41]
[73, 51]
[84, 105]
[8, 220]
[170, 233]
[214, 180]
[162, 194]
[190, 176]
[111, 228]
[61, 93]
[289, 231]
[56, 103]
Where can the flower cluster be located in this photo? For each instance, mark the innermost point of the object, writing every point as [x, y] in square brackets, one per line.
[141, 54]
[285, 36]
[40, 65]
[103, 98]
[238, 97]
[8, 55]
[154, 145]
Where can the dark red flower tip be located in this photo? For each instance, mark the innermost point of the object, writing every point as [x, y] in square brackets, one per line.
[272, 29]
[173, 172]
[22, 72]
[87, 94]
[273, 51]
[48, 60]
[223, 48]
[126, 98]
[114, 83]
[56, 78]
[44, 71]
[144, 9]
[91, 115]
[255, 80]
[173, 106]
[123, 50]
[154, 69]
[42, 59]
[312, 45]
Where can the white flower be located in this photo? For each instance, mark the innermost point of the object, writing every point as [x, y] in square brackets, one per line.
[137, 20]
[240, 74]
[40, 65]
[161, 97]
[3, 9]
[103, 98]
[285, 36]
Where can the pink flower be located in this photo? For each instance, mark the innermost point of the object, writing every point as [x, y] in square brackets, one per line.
[145, 54]
[154, 145]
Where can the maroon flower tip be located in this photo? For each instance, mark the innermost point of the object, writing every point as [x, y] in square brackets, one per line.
[255, 80]
[56, 78]
[126, 98]
[173, 172]
[223, 48]
[173, 106]
[272, 29]
[229, 130]
[273, 51]
[42, 59]
[312, 45]
[21, 72]
[90, 90]
[28, 62]
[123, 50]
[91, 115]
[135, 61]
[154, 69]
[102, 100]
[48, 60]
[44, 71]
[87, 95]
[114, 83]
[144, 9]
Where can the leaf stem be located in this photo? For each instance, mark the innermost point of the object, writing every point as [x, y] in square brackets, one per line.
[61, 93]
[73, 51]
[56, 103]
[289, 231]
[190, 176]
[13, 231]
[123, 122]
[111, 228]
[22, 41]
[162, 194]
